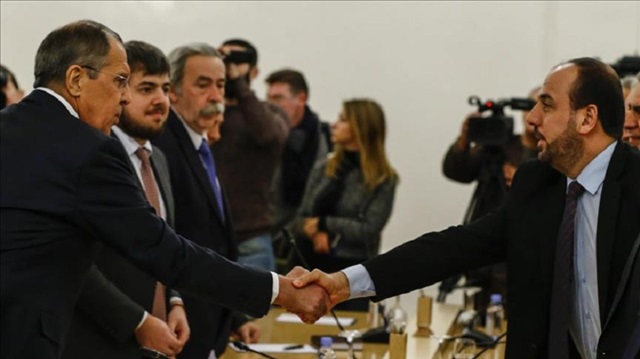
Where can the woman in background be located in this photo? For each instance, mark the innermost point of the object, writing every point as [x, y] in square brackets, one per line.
[349, 196]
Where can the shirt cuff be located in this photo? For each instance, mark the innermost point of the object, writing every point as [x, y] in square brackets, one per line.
[275, 286]
[144, 317]
[360, 283]
[175, 301]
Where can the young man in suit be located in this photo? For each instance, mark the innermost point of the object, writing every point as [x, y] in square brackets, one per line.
[66, 187]
[568, 230]
[144, 313]
[201, 208]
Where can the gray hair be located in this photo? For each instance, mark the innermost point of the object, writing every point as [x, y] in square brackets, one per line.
[178, 59]
[630, 81]
[84, 43]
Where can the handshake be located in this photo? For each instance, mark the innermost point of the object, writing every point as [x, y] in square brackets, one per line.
[310, 295]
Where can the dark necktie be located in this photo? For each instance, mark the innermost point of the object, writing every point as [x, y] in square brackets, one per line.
[210, 166]
[563, 277]
[159, 308]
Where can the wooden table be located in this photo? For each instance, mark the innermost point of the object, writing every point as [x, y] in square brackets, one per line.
[278, 332]
[443, 317]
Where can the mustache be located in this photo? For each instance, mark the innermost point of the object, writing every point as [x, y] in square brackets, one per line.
[537, 133]
[212, 109]
[159, 108]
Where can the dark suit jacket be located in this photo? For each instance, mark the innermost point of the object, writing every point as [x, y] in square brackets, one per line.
[197, 217]
[107, 314]
[65, 188]
[523, 232]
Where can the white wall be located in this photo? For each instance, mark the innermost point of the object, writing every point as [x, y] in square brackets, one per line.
[420, 60]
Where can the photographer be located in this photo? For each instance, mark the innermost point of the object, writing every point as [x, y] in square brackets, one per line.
[493, 167]
[250, 148]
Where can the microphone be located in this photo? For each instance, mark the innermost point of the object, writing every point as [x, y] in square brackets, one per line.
[446, 287]
[242, 346]
[289, 237]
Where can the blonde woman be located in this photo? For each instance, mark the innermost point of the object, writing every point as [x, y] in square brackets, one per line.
[349, 196]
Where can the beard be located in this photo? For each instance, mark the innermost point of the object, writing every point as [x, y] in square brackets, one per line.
[566, 150]
[137, 130]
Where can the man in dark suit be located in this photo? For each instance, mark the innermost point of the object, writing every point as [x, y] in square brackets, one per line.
[114, 325]
[568, 230]
[202, 212]
[66, 187]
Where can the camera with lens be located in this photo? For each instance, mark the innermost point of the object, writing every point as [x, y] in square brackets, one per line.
[239, 57]
[627, 66]
[497, 128]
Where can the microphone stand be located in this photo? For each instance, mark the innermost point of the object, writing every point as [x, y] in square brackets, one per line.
[349, 335]
[242, 346]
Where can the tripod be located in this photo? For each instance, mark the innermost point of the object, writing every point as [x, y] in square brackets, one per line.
[488, 195]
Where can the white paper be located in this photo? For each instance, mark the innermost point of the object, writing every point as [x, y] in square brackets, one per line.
[279, 348]
[326, 320]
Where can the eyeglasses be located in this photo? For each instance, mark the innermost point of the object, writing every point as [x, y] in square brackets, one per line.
[122, 81]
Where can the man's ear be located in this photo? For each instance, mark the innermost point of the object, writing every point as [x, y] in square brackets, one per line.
[253, 72]
[74, 80]
[173, 95]
[587, 119]
[302, 96]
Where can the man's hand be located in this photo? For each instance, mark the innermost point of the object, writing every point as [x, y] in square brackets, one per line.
[178, 324]
[248, 332]
[309, 302]
[336, 284]
[321, 243]
[155, 334]
[463, 140]
[310, 226]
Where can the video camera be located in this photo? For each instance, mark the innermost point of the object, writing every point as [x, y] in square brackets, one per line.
[495, 129]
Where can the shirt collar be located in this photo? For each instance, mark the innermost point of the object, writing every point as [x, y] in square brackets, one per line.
[196, 138]
[129, 143]
[62, 100]
[592, 176]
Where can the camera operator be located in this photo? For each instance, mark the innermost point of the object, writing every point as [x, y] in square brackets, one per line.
[493, 167]
[250, 148]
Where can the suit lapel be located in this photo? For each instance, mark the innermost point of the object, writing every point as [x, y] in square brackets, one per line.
[549, 210]
[607, 238]
[194, 161]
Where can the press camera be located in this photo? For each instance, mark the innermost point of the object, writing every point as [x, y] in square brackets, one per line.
[497, 128]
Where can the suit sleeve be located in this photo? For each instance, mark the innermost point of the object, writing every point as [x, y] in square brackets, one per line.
[112, 209]
[435, 256]
[108, 307]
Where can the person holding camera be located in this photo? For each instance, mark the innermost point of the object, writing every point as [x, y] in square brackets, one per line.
[252, 138]
[493, 167]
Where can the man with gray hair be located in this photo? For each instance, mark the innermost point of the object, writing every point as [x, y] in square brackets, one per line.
[201, 210]
[66, 189]
[631, 131]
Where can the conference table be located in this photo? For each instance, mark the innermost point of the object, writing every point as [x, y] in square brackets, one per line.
[443, 323]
